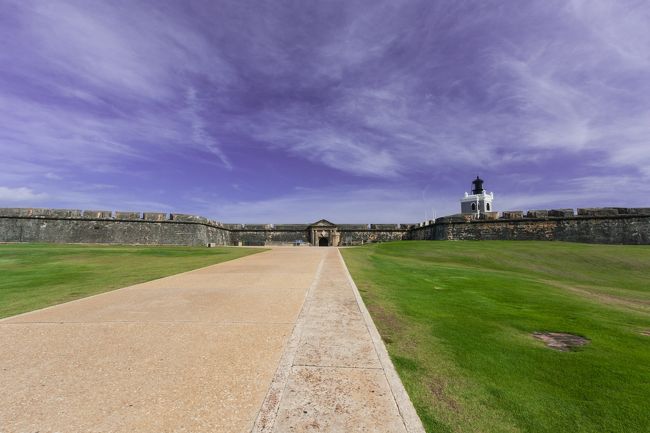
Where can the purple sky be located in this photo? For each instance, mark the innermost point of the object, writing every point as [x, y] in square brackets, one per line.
[355, 111]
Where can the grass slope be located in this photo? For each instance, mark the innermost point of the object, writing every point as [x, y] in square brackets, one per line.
[457, 319]
[34, 276]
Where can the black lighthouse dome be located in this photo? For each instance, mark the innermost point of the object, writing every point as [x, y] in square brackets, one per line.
[477, 186]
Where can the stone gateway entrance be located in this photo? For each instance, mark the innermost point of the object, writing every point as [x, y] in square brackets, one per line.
[324, 234]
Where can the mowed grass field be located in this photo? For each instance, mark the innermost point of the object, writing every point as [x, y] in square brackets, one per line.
[457, 319]
[34, 276]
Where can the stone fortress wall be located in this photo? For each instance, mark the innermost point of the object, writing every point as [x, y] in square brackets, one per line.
[153, 228]
[106, 227]
[589, 225]
[598, 225]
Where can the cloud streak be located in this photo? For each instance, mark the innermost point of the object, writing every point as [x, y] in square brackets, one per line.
[169, 100]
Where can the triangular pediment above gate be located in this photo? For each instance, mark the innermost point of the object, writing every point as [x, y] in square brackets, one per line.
[323, 223]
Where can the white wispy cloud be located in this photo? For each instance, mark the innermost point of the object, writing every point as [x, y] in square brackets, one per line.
[199, 134]
[19, 194]
[100, 75]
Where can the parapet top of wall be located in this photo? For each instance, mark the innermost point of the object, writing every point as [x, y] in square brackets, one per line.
[352, 226]
[104, 215]
[297, 227]
[39, 212]
[620, 212]
[581, 212]
[384, 226]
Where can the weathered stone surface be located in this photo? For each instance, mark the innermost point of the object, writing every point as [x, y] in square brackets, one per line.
[537, 214]
[97, 214]
[258, 226]
[40, 212]
[65, 213]
[454, 218]
[36, 229]
[560, 213]
[260, 237]
[634, 211]
[119, 215]
[11, 212]
[604, 211]
[628, 229]
[291, 226]
[600, 225]
[353, 226]
[384, 226]
[154, 216]
[489, 215]
[188, 218]
[364, 236]
[512, 215]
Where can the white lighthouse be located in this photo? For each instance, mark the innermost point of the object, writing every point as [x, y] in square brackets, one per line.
[478, 202]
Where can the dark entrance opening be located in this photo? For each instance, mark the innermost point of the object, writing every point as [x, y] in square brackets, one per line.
[323, 242]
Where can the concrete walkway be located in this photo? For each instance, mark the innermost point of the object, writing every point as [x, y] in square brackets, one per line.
[274, 342]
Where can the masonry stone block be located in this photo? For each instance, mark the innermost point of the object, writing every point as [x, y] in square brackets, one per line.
[291, 226]
[154, 216]
[65, 213]
[560, 213]
[97, 214]
[512, 215]
[258, 226]
[633, 210]
[15, 212]
[536, 213]
[599, 212]
[188, 218]
[121, 215]
[353, 226]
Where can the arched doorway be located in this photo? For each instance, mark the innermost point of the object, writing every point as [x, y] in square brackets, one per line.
[323, 242]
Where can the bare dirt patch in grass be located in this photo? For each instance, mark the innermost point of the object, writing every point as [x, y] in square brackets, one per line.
[560, 340]
[437, 387]
[646, 332]
[390, 323]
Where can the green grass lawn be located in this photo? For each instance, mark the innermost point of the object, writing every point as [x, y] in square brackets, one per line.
[457, 319]
[34, 276]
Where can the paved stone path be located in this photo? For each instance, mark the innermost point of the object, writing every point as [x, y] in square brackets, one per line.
[274, 342]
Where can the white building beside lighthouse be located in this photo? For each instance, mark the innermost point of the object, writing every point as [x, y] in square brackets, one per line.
[478, 202]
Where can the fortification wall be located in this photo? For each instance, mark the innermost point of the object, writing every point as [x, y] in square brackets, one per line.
[267, 236]
[276, 235]
[132, 228]
[385, 233]
[595, 225]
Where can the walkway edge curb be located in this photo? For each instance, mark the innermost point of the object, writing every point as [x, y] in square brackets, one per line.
[405, 407]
